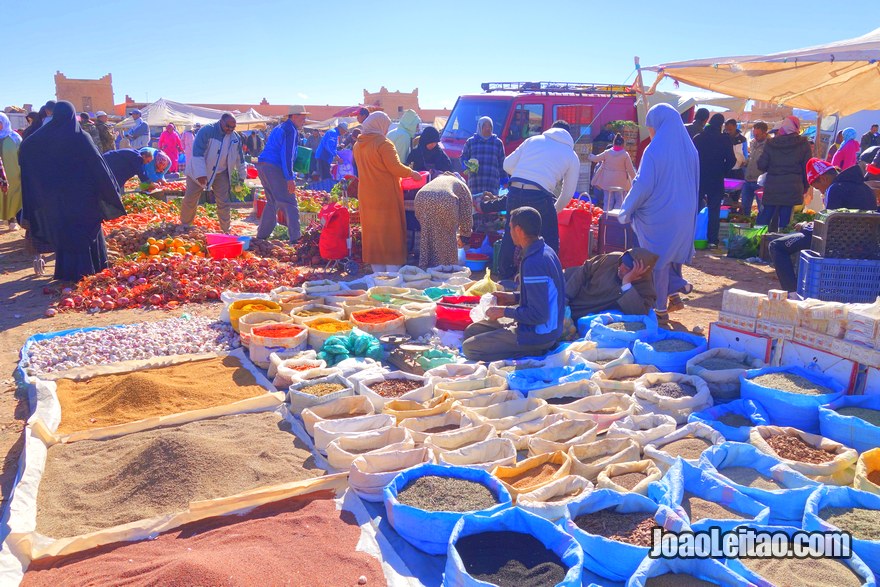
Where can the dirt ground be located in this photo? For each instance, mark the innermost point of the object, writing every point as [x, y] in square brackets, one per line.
[25, 297]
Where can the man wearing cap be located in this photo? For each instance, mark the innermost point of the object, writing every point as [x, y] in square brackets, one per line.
[139, 134]
[85, 123]
[275, 169]
[840, 189]
[326, 153]
[105, 133]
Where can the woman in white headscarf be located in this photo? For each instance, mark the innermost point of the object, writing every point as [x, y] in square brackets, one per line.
[383, 222]
[662, 203]
[10, 195]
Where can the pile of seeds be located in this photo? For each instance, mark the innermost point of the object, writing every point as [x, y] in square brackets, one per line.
[672, 345]
[509, 559]
[687, 448]
[699, 509]
[395, 387]
[793, 448]
[627, 326]
[439, 429]
[309, 313]
[564, 496]
[751, 478]
[629, 480]
[634, 528]
[533, 476]
[874, 477]
[676, 580]
[433, 493]
[862, 523]
[558, 401]
[90, 485]
[808, 572]
[791, 383]
[322, 389]
[719, 364]
[735, 420]
[868, 415]
[603, 411]
[674, 389]
[106, 400]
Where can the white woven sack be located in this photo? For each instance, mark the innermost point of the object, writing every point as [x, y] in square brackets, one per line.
[678, 408]
[342, 451]
[485, 455]
[723, 383]
[417, 426]
[840, 471]
[521, 433]
[603, 409]
[469, 387]
[346, 407]
[577, 389]
[588, 460]
[605, 481]
[551, 501]
[329, 430]
[370, 473]
[277, 357]
[608, 379]
[460, 438]
[561, 436]
[654, 449]
[487, 399]
[419, 394]
[643, 428]
[508, 414]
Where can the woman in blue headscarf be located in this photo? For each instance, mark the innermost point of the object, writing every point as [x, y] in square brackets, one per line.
[158, 166]
[662, 203]
[67, 191]
[848, 153]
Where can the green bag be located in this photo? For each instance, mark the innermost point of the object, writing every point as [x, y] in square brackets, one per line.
[744, 241]
[303, 162]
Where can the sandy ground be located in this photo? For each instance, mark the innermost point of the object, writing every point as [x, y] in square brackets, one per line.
[25, 297]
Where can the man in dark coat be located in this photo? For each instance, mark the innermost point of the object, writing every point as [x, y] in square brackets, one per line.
[784, 159]
[716, 160]
[614, 282]
[699, 123]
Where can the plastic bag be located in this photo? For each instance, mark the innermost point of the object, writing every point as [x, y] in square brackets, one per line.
[513, 520]
[605, 479]
[299, 400]
[508, 473]
[529, 379]
[606, 337]
[603, 409]
[684, 477]
[790, 409]
[551, 501]
[610, 378]
[478, 312]
[643, 428]
[346, 407]
[611, 559]
[868, 463]
[523, 432]
[668, 362]
[709, 570]
[742, 407]
[679, 408]
[654, 450]
[850, 430]
[839, 471]
[369, 474]
[485, 454]
[844, 497]
[745, 242]
[342, 347]
[418, 426]
[482, 287]
[786, 505]
[588, 460]
[345, 449]
[429, 531]
[562, 435]
[327, 431]
[723, 383]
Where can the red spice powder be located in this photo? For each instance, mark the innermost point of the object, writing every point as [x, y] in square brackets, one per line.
[298, 541]
[376, 316]
[277, 331]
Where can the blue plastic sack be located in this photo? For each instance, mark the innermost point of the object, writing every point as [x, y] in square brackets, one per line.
[605, 337]
[849, 430]
[683, 476]
[844, 497]
[526, 380]
[610, 559]
[855, 563]
[786, 505]
[645, 354]
[790, 409]
[584, 322]
[702, 228]
[430, 531]
[706, 569]
[513, 520]
[746, 408]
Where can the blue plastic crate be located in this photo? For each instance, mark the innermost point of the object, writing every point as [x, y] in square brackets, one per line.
[838, 280]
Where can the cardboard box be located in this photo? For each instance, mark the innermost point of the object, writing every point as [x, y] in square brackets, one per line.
[725, 337]
[774, 330]
[866, 356]
[823, 342]
[841, 370]
[736, 321]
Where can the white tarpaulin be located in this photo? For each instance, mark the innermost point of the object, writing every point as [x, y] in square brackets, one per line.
[840, 77]
[162, 112]
[351, 121]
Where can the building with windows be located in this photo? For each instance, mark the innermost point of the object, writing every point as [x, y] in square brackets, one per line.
[86, 95]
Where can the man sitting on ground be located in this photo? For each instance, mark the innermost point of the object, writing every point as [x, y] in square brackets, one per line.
[535, 314]
[841, 189]
[614, 282]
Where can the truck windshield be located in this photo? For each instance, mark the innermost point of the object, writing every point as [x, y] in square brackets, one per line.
[462, 123]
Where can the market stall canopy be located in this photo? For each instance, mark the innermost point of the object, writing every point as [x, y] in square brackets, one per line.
[162, 112]
[682, 102]
[840, 77]
[333, 122]
[251, 119]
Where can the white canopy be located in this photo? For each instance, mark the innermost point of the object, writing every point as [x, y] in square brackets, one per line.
[162, 112]
[351, 121]
[841, 77]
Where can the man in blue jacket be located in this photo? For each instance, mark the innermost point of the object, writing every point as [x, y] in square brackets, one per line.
[275, 169]
[326, 153]
[534, 315]
[139, 134]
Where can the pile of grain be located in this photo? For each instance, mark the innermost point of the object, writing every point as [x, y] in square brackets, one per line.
[440, 429]
[862, 523]
[810, 572]
[735, 420]
[791, 383]
[627, 326]
[699, 509]
[719, 364]
[533, 476]
[510, 559]
[300, 541]
[433, 493]
[794, 449]
[322, 389]
[751, 478]
[868, 415]
[106, 400]
[629, 480]
[559, 401]
[687, 448]
[634, 528]
[674, 389]
[90, 485]
[395, 387]
[672, 345]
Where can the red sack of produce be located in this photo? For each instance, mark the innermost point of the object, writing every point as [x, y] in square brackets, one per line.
[332, 244]
[574, 236]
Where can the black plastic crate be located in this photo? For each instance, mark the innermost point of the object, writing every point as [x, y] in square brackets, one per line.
[847, 235]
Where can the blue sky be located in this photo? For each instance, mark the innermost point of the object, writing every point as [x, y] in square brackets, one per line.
[327, 52]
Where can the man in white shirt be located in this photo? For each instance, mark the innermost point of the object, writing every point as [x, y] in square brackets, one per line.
[536, 168]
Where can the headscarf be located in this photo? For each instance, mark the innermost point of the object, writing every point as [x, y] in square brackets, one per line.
[6, 129]
[618, 142]
[150, 168]
[376, 123]
[790, 126]
[426, 159]
[483, 120]
[36, 122]
[849, 134]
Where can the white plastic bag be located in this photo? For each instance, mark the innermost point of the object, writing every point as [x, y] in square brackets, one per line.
[478, 312]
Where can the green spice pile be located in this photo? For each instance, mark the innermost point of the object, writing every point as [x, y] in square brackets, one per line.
[868, 415]
[718, 364]
[791, 383]
[672, 345]
[433, 493]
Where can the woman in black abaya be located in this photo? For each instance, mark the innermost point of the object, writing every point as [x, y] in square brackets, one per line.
[67, 190]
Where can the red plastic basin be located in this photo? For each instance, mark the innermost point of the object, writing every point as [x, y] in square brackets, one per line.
[220, 239]
[226, 250]
[407, 183]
